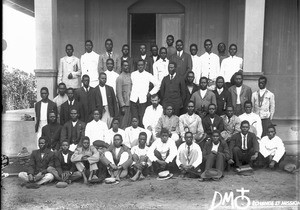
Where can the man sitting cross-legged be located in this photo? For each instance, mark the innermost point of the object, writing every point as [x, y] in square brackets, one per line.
[117, 158]
[64, 170]
[162, 152]
[189, 157]
[40, 160]
[141, 162]
[86, 157]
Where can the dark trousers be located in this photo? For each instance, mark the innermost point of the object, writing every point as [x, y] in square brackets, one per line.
[158, 167]
[241, 157]
[138, 110]
[102, 170]
[215, 160]
[265, 123]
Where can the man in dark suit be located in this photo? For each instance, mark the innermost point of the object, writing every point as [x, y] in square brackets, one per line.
[182, 59]
[191, 88]
[83, 96]
[223, 96]
[51, 132]
[40, 160]
[42, 109]
[172, 89]
[126, 57]
[243, 146]
[154, 54]
[104, 100]
[216, 152]
[73, 131]
[147, 59]
[66, 107]
[240, 93]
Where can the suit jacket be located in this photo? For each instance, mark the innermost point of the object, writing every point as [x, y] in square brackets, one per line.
[37, 108]
[236, 141]
[223, 148]
[173, 91]
[38, 164]
[117, 157]
[223, 100]
[102, 62]
[184, 63]
[66, 132]
[60, 164]
[65, 110]
[84, 98]
[209, 98]
[111, 101]
[208, 127]
[245, 95]
[51, 133]
[148, 63]
[189, 95]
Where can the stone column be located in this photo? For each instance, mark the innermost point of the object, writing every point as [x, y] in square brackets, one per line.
[46, 45]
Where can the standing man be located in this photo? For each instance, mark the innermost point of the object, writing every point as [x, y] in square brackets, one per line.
[240, 93]
[222, 51]
[66, 107]
[42, 110]
[170, 48]
[172, 89]
[182, 59]
[190, 86]
[111, 75]
[232, 64]
[223, 96]
[69, 71]
[196, 62]
[148, 62]
[141, 80]
[210, 64]
[160, 67]
[60, 98]
[89, 63]
[83, 96]
[126, 57]
[263, 102]
[123, 89]
[104, 100]
[109, 54]
[154, 53]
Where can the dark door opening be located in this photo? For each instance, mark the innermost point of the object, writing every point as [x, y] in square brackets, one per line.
[143, 31]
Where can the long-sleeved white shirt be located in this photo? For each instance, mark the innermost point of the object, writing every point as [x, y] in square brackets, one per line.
[109, 135]
[274, 147]
[210, 66]
[96, 130]
[254, 120]
[111, 79]
[132, 136]
[231, 65]
[196, 63]
[141, 152]
[152, 116]
[160, 69]
[89, 65]
[140, 86]
[194, 148]
[163, 148]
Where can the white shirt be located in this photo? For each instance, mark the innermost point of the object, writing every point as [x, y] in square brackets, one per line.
[143, 57]
[255, 121]
[202, 93]
[141, 152]
[220, 90]
[74, 123]
[274, 147]
[196, 61]
[96, 130]
[163, 148]
[172, 76]
[183, 148]
[154, 58]
[231, 65]
[160, 69]
[89, 65]
[210, 66]
[109, 135]
[238, 93]
[103, 95]
[215, 147]
[43, 112]
[140, 86]
[179, 53]
[151, 116]
[244, 147]
[132, 136]
[65, 157]
[111, 79]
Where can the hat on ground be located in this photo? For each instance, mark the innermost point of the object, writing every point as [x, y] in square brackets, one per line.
[164, 175]
[245, 170]
[290, 167]
[99, 143]
[61, 184]
[24, 152]
[110, 180]
[212, 173]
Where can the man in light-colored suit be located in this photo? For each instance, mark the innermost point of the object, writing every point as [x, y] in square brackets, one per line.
[109, 54]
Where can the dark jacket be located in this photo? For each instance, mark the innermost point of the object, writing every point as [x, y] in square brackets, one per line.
[37, 108]
[236, 141]
[84, 98]
[38, 164]
[208, 127]
[60, 164]
[66, 132]
[51, 133]
[65, 110]
[223, 100]
[223, 148]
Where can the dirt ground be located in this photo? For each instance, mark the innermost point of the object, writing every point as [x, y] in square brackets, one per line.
[175, 193]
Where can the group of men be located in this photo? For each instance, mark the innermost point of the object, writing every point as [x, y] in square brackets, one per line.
[170, 110]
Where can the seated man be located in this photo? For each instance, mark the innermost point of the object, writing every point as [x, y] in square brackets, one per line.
[96, 125]
[64, 170]
[170, 122]
[115, 129]
[189, 157]
[216, 152]
[271, 148]
[132, 134]
[86, 157]
[101, 146]
[232, 124]
[67, 106]
[141, 162]
[191, 122]
[243, 146]
[162, 152]
[40, 160]
[117, 158]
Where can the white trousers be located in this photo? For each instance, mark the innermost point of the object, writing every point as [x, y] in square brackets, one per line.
[47, 178]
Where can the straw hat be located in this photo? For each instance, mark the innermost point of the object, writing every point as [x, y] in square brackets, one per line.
[212, 173]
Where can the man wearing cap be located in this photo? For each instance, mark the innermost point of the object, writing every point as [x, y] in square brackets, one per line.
[189, 157]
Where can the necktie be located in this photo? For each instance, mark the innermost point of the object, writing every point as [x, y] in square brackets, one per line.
[244, 142]
[109, 55]
[188, 154]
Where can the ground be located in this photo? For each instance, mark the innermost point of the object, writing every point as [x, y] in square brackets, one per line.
[175, 193]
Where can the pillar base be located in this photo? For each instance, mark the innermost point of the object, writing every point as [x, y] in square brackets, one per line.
[251, 79]
[46, 78]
